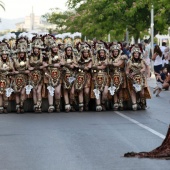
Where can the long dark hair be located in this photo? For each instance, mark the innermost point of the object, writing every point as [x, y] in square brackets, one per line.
[158, 50]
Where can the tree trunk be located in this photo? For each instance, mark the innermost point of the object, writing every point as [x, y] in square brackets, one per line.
[161, 152]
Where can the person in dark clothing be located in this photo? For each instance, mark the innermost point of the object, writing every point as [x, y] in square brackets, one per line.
[160, 80]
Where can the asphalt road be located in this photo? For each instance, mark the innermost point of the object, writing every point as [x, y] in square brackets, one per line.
[84, 141]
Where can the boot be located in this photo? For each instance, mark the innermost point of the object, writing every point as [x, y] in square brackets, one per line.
[143, 103]
[1, 109]
[22, 106]
[98, 108]
[120, 104]
[18, 108]
[57, 102]
[134, 106]
[81, 107]
[67, 108]
[38, 108]
[50, 109]
[116, 106]
[73, 103]
[103, 106]
[86, 99]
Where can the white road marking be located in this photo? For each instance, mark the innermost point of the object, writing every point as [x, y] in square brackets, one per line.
[141, 125]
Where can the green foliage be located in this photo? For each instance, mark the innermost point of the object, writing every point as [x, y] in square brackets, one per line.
[98, 18]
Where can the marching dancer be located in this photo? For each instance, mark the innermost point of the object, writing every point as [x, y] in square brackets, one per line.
[83, 77]
[21, 72]
[6, 67]
[137, 83]
[118, 82]
[36, 71]
[100, 77]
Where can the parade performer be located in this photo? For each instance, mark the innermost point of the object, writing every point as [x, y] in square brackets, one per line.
[69, 75]
[137, 83]
[21, 72]
[83, 77]
[6, 67]
[99, 76]
[54, 74]
[118, 82]
[36, 71]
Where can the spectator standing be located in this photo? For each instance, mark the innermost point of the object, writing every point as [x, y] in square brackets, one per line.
[163, 47]
[146, 56]
[157, 58]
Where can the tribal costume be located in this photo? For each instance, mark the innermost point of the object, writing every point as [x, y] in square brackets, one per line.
[118, 82]
[100, 77]
[36, 72]
[54, 74]
[83, 77]
[6, 66]
[21, 72]
[136, 79]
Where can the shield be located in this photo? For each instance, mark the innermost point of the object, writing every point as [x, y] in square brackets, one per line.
[36, 77]
[19, 81]
[117, 80]
[80, 81]
[3, 84]
[100, 80]
[55, 74]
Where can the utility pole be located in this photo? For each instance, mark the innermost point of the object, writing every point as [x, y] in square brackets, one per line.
[152, 33]
[152, 28]
[108, 37]
[127, 35]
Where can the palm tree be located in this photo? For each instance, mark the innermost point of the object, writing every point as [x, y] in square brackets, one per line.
[2, 5]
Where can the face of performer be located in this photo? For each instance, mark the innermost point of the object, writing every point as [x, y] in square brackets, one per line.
[136, 55]
[21, 55]
[86, 53]
[4, 56]
[102, 53]
[36, 50]
[115, 53]
[69, 51]
[55, 49]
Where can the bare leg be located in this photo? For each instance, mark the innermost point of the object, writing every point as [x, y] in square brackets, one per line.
[148, 71]
[72, 98]
[86, 98]
[133, 97]
[35, 96]
[17, 98]
[142, 99]
[58, 97]
[1, 104]
[121, 99]
[158, 92]
[98, 104]
[104, 97]
[66, 100]
[116, 105]
[81, 101]
[39, 97]
[5, 103]
[22, 99]
[50, 102]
